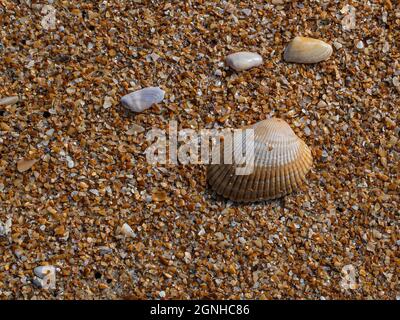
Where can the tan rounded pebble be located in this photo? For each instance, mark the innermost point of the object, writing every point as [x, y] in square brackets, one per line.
[307, 50]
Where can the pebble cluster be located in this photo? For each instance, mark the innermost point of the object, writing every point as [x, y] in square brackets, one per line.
[76, 192]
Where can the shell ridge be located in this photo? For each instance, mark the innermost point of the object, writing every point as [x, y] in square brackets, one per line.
[281, 161]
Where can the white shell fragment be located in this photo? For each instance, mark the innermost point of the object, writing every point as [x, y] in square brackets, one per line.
[24, 165]
[5, 228]
[43, 271]
[244, 60]
[143, 99]
[307, 50]
[8, 100]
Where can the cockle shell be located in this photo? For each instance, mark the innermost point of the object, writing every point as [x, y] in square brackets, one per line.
[307, 50]
[142, 99]
[281, 162]
[244, 60]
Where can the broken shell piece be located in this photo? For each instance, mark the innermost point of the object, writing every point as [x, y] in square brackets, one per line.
[40, 283]
[134, 129]
[307, 50]
[127, 230]
[143, 99]
[9, 100]
[24, 165]
[279, 164]
[159, 195]
[244, 60]
[5, 228]
[108, 101]
[45, 277]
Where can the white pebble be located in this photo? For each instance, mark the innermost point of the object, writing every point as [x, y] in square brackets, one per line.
[247, 12]
[9, 100]
[244, 60]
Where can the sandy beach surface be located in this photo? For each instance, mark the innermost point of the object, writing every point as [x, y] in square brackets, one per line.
[76, 191]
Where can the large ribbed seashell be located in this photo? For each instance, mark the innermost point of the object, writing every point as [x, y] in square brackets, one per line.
[307, 50]
[9, 100]
[281, 162]
[143, 99]
[244, 60]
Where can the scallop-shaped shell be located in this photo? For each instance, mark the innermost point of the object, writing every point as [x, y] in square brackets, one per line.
[281, 162]
[244, 60]
[142, 99]
[307, 50]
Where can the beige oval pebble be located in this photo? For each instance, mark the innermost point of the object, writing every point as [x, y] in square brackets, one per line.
[134, 129]
[243, 60]
[9, 100]
[307, 50]
[143, 99]
[281, 162]
[126, 230]
[24, 165]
